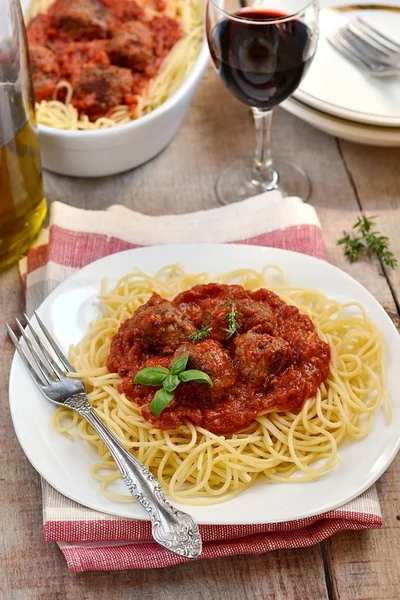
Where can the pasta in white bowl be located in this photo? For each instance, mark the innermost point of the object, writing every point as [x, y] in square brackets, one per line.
[76, 144]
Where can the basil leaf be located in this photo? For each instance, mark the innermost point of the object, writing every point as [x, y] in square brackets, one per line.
[196, 376]
[151, 376]
[179, 364]
[160, 401]
[171, 382]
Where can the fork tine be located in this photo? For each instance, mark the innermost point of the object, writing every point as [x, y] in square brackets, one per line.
[53, 344]
[40, 383]
[341, 46]
[34, 354]
[371, 30]
[374, 68]
[370, 49]
[43, 350]
[359, 47]
[370, 40]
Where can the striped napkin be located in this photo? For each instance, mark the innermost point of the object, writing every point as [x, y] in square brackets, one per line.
[91, 540]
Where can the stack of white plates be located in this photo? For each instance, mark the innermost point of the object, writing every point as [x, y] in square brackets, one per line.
[338, 98]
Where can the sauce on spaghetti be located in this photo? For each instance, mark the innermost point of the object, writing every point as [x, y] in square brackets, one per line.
[106, 50]
[275, 359]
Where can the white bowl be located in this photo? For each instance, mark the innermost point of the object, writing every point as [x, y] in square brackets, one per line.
[108, 151]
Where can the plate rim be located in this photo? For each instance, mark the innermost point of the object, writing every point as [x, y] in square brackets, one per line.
[262, 249]
[360, 133]
[351, 125]
[340, 112]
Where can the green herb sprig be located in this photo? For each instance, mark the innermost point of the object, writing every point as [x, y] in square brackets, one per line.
[169, 379]
[365, 238]
[200, 335]
[231, 317]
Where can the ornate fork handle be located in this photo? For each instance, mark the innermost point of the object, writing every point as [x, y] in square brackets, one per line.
[171, 528]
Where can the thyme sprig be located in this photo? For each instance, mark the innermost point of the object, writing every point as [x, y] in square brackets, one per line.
[366, 238]
[200, 335]
[231, 317]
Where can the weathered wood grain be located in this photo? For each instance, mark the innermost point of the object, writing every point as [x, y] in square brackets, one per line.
[217, 130]
[379, 194]
[366, 566]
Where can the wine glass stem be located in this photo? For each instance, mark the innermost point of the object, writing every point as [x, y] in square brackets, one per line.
[263, 172]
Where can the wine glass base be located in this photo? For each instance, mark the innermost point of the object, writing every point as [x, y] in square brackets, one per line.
[235, 183]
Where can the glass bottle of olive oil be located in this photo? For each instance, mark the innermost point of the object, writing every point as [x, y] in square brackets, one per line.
[22, 203]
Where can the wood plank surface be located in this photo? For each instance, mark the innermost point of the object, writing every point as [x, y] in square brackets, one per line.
[217, 130]
[366, 565]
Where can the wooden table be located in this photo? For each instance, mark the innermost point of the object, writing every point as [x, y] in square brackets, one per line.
[346, 178]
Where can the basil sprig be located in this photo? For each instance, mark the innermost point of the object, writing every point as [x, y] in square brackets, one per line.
[170, 383]
[169, 379]
[161, 400]
[179, 364]
[196, 376]
[152, 376]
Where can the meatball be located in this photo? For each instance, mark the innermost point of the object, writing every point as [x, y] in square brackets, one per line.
[127, 10]
[37, 30]
[210, 357]
[159, 326]
[200, 300]
[158, 5]
[258, 355]
[132, 46]
[255, 315]
[98, 88]
[82, 19]
[77, 54]
[167, 32]
[45, 72]
[249, 315]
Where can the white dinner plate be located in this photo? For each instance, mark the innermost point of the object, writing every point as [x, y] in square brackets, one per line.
[336, 86]
[66, 464]
[353, 132]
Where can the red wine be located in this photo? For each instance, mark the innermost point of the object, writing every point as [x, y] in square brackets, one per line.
[260, 63]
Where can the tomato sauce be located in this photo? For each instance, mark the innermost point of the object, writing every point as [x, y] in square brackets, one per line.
[274, 360]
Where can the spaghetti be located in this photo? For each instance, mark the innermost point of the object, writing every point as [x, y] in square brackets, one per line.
[196, 466]
[61, 113]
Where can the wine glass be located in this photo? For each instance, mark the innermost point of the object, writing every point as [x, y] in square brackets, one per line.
[261, 52]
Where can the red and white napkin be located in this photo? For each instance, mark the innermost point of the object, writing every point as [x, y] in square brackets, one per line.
[95, 541]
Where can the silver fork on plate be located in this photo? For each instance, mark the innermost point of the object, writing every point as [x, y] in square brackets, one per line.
[171, 528]
[366, 47]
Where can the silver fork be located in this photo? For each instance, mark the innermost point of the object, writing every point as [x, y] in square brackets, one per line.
[354, 42]
[171, 528]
